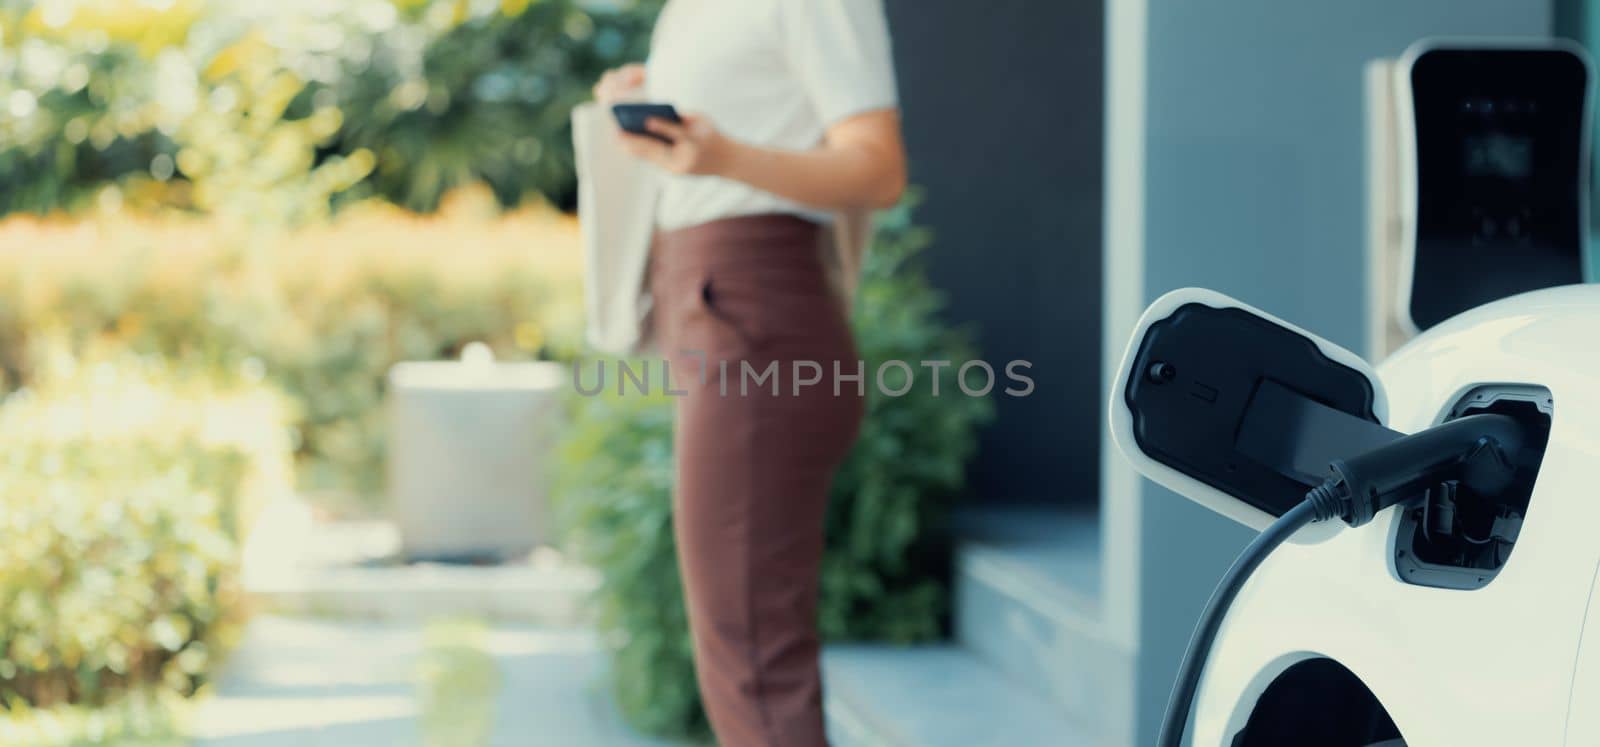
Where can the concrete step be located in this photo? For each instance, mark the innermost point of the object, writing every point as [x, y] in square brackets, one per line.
[523, 593]
[1027, 603]
[296, 564]
[359, 683]
[935, 696]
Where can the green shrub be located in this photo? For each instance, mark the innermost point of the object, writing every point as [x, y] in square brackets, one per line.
[82, 106]
[118, 571]
[885, 573]
[123, 489]
[321, 314]
[144, 718]
[486, 98]
[614, 491]
[269, 111]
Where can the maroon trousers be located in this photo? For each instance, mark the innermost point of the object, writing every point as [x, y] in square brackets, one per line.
[736, 299]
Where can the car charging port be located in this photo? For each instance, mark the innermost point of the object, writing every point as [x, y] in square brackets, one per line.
[1459, 538]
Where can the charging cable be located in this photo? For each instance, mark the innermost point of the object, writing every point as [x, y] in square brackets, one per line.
[1476, 451]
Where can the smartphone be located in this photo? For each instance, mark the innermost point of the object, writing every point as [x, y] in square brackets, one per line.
[631, 117]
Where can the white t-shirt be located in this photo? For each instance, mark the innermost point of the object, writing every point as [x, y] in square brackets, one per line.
[772, 73]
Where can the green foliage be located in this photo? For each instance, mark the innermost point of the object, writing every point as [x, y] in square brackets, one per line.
[885, 572]
[143, 718]
[887, 523]
[123, 487]
[381, 292]
[485, 99]
[156, 102]
[614, 490]
[80, 104]
[267, 112]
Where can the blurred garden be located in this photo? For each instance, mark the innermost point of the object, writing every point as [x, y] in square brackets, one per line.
[224, 221]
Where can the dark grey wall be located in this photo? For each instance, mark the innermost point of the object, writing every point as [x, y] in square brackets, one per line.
[1003, 106]
[1254, 187]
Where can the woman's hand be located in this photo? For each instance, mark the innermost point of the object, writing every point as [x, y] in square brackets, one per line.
[695, 146]
[620, 84]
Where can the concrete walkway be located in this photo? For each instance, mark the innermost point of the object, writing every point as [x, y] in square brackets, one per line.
[333, 683]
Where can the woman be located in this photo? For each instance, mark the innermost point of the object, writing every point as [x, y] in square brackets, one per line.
[789, 115]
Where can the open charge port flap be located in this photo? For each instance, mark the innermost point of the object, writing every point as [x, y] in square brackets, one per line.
[1456, 539]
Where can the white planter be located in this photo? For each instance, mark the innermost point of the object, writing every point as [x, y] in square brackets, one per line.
[469, 447]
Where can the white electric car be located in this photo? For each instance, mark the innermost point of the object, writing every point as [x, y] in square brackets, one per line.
[1452, 615]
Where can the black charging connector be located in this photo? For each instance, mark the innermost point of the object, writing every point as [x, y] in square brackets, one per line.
[1474, 451]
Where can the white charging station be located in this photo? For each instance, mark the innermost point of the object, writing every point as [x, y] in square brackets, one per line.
[1458, 603]
[1477, 178]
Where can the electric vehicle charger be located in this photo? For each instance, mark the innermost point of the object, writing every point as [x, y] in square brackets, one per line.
[1279, 429]
[1480, 153]
[1473, 451]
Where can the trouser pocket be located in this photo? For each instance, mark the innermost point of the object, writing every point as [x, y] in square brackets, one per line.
[733, 319]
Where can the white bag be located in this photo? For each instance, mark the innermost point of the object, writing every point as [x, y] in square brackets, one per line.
[616, 212]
